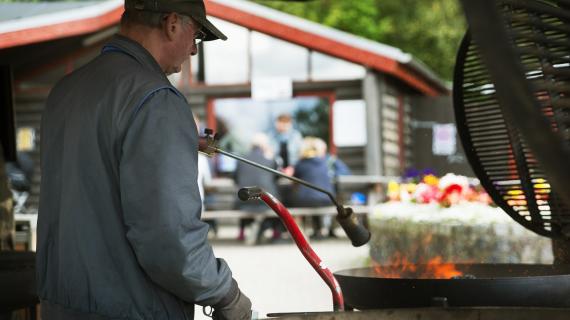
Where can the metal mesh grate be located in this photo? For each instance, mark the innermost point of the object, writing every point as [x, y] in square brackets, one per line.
[540, 32]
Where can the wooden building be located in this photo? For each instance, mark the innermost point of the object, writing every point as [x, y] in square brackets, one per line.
[41, 42]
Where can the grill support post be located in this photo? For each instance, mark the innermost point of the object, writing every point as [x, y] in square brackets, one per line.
[561, 251]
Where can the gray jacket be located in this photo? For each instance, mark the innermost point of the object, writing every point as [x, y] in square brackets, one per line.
[119, 230]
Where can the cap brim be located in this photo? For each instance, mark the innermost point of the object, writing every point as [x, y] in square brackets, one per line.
[212, 33]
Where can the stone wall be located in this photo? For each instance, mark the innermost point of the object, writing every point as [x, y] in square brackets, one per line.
[455, 235]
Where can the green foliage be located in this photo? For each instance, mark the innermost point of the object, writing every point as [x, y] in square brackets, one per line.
[430, 30]
[314, 122]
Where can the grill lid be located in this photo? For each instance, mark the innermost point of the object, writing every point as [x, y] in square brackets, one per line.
[501, 148]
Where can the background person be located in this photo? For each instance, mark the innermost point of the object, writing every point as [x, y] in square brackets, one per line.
[336, 168]
[249, 176]
[312, 167]
[286, 141]
[119, 230]
[20, 174]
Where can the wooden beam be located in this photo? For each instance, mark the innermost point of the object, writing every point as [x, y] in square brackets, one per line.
[7, 127]
[373, 90]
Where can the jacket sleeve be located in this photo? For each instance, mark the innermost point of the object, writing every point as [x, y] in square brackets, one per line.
[161, 202]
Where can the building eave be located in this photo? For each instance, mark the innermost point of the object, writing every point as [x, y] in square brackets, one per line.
[369, 54]
[59, 25]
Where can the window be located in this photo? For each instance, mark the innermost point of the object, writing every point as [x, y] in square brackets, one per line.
[272, 57]
[226, 61]
[325, 67]
[238, 120]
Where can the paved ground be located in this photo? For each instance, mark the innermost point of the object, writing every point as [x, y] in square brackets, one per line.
[277, 278]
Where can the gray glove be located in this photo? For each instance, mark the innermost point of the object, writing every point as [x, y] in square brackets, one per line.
[236, 306]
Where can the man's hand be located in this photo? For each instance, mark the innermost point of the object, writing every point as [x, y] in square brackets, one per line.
[238, 309]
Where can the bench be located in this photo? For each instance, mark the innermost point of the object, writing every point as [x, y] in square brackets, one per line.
[221, 201]
[242, 214]
[258, 217]
[221, 193]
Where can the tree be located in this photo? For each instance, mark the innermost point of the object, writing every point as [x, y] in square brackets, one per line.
[430, 30]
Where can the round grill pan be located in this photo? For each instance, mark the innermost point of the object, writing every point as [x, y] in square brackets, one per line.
[499, 285]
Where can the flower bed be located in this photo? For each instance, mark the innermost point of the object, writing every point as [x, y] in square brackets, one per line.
[446, 191]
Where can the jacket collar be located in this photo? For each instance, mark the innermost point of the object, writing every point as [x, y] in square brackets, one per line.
[132, 48]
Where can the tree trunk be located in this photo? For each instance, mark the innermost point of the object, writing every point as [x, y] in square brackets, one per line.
[6, 214]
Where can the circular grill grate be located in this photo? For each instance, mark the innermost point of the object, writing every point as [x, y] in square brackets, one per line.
[540, 33]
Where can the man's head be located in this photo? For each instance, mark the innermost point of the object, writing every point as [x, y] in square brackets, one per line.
[169, 29]
[190, 8]
[283, 123]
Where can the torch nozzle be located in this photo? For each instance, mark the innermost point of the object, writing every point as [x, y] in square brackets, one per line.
[249, 193]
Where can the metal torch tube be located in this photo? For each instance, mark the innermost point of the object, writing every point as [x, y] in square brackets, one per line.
[306, 250]
[279, 173]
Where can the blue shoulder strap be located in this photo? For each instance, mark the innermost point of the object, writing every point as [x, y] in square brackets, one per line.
[150, 93]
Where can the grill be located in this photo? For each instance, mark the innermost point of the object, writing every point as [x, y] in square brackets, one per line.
[497, 145]
[496, 285]
[511, 99]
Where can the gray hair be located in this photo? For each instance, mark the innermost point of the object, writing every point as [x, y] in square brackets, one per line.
[261, 141]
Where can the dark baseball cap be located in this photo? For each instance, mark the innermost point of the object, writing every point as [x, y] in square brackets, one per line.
[191, 8]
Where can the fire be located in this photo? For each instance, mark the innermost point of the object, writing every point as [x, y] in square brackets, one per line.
[441, 270]
[400, 267]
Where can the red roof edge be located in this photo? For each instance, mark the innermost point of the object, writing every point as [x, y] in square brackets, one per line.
[282, 31]
[60, 30]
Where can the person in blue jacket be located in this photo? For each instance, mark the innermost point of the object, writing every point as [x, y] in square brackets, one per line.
[286, 142]
[119, 230]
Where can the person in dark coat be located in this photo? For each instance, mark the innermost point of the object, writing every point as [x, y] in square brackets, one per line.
[249, 176]
[313, 168]
[119, 229]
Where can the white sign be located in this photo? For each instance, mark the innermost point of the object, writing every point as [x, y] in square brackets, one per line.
[271, 88]
[349, 123]
[444, 142]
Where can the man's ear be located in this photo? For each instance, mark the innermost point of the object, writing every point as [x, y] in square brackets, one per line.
[171, 25]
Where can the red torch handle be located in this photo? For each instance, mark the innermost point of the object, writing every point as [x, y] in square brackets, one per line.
[316, 262]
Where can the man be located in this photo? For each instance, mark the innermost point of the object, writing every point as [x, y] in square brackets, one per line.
[119, 230]
[287, 141]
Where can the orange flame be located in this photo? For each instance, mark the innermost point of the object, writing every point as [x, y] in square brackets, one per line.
[441, 270]
[400, 267]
